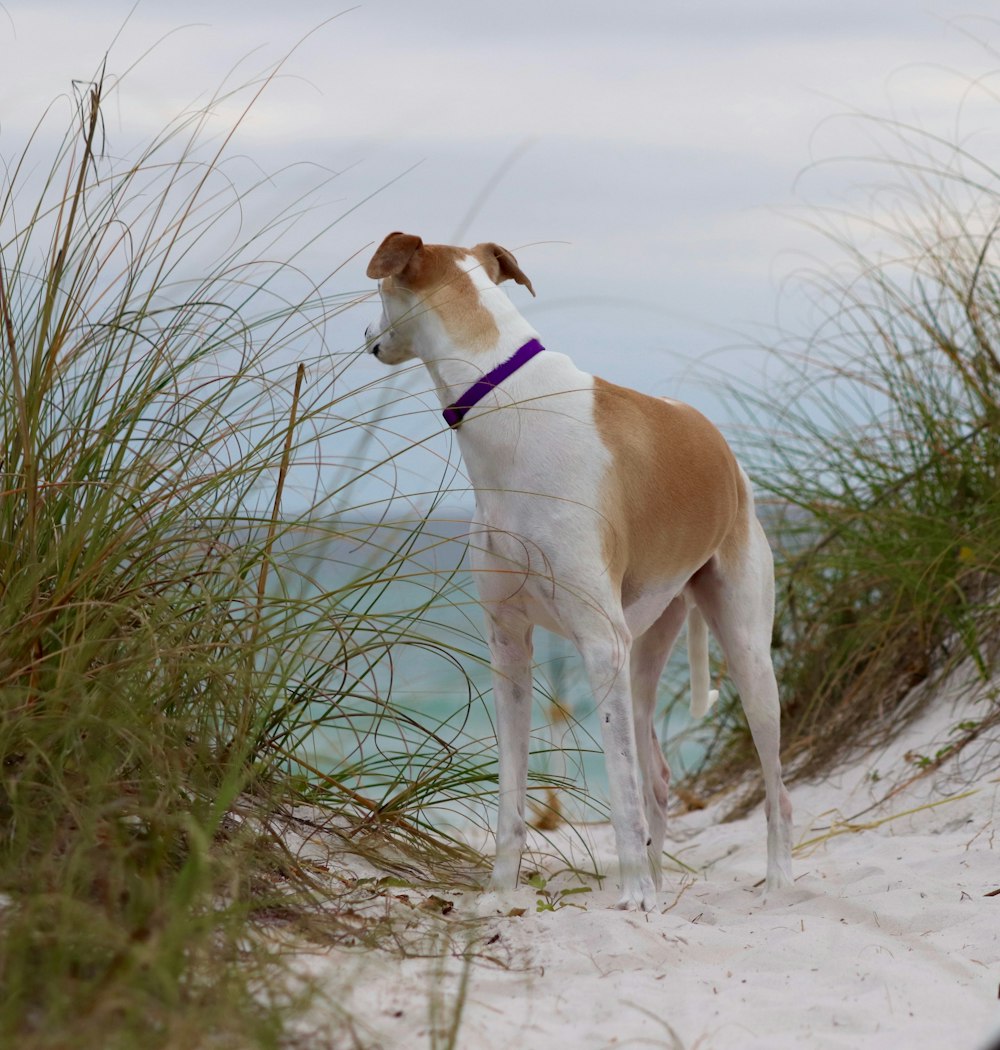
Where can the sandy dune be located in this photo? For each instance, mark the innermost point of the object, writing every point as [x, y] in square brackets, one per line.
[889, 938]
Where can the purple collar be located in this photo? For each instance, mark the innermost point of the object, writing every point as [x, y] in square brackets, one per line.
[455, 412]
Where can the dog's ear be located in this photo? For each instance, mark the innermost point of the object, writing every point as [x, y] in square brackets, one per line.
[393, 255]
[500, 264]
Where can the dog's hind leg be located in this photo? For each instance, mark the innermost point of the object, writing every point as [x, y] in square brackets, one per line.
[510, 650]
[736, 595]
[650, 652]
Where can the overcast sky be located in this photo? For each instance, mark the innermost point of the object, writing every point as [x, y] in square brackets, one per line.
[647, 160]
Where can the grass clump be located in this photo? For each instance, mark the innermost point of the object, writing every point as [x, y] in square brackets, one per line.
[882, 462]
[169, 656]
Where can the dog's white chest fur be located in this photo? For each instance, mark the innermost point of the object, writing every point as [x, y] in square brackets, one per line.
[532, 464]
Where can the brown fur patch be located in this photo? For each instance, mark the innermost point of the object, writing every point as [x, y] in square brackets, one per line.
[500, 264]
[393, 255]
[434, 273]
[674, 492]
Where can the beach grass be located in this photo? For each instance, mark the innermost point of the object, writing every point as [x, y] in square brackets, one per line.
[878, 464]
[182, 661]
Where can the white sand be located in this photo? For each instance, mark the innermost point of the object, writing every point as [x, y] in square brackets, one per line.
[886, 940]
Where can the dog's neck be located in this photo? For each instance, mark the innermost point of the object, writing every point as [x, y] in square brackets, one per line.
[455, 366]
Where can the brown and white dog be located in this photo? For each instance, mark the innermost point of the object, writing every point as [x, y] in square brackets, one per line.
[608, 517]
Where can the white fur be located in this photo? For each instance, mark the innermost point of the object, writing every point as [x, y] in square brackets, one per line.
[536, 461]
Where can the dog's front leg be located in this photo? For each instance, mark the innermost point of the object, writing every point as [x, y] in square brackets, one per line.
[608, 670]
[510, 651]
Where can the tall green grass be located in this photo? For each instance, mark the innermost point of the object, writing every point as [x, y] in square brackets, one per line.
[176, 669]
[881, 459]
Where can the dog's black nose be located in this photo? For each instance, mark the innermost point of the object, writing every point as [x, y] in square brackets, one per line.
[374, 349]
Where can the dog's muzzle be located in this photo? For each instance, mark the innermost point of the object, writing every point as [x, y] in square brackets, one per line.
[373, 340]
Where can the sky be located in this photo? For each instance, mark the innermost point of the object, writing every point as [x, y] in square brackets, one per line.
[654, 164]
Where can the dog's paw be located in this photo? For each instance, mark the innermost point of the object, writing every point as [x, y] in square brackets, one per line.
[776, 883]
[779, 874]
[638, 895]
[504, 876]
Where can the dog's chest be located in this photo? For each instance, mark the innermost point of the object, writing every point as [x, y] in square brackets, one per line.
[533, 448]
[538, 468]
[545, 517]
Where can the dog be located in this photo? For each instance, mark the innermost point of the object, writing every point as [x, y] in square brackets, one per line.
[609, 517]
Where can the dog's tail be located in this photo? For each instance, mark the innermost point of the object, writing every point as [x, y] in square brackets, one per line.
[702, 697]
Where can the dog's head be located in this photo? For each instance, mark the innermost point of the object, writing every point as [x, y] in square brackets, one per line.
[438, 295]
